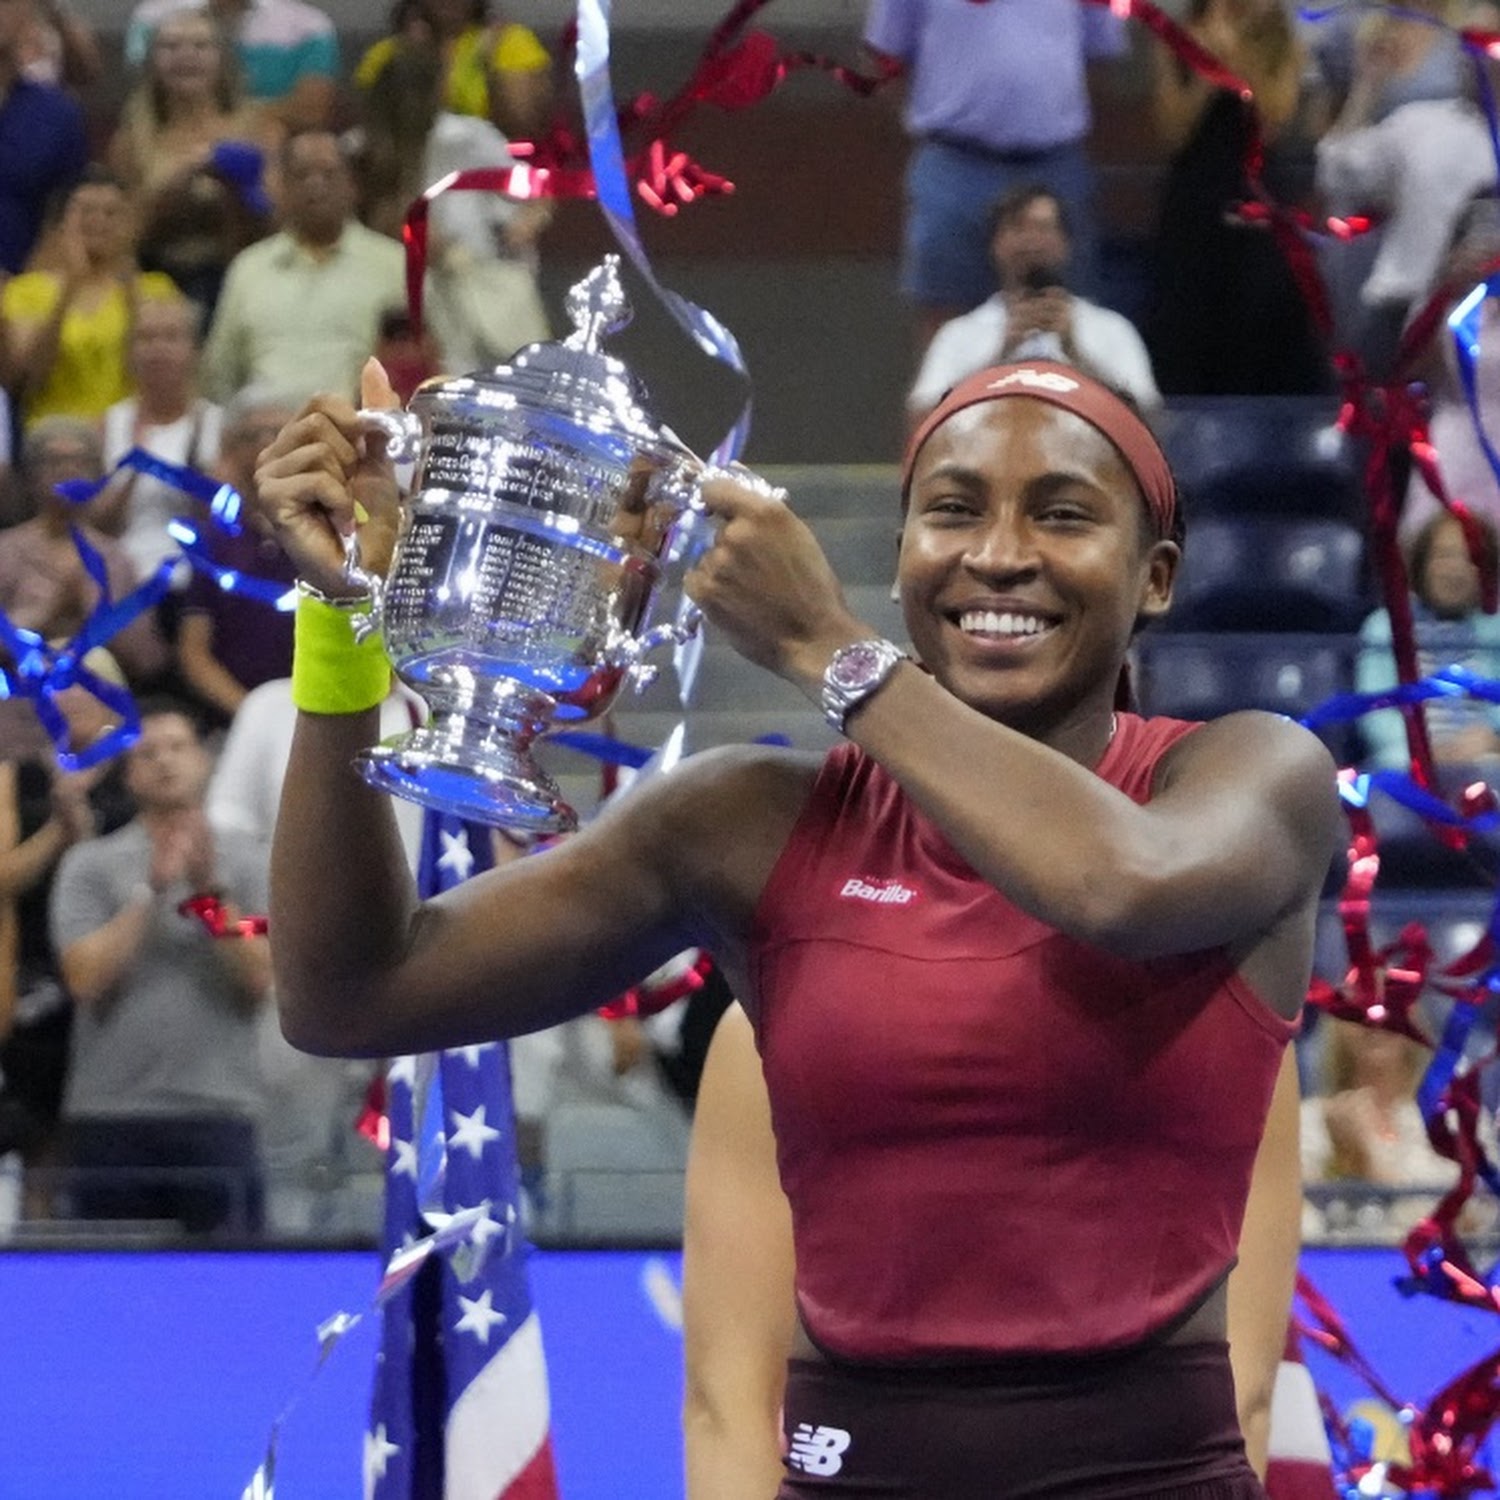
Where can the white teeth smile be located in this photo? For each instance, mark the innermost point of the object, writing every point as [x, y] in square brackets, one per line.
[988, 622]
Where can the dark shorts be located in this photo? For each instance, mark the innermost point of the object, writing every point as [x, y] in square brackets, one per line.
[1158, 1421]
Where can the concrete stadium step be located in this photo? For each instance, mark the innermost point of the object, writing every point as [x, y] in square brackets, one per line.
[861, 549]
[868, 490]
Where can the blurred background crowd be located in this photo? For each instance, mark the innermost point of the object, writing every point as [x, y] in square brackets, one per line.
[200, 219]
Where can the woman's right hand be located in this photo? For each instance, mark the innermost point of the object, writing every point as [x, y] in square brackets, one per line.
[326, 476]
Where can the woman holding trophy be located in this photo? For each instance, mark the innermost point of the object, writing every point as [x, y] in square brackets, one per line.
[1021, 966]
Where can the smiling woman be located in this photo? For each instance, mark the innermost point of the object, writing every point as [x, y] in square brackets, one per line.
[994, 947]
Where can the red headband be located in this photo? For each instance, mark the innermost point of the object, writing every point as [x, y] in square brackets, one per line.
[1074, 391]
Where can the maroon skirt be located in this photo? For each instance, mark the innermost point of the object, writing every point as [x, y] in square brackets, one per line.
[1153, 1421]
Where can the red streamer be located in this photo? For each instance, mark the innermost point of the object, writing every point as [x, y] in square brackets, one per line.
[207, 907]
[647, 999]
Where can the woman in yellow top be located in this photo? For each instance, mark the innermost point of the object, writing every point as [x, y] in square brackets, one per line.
[497, 70]
[64, 329]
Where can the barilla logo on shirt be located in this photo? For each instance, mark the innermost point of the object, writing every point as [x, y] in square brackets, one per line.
[877, 892]
[1047, 380]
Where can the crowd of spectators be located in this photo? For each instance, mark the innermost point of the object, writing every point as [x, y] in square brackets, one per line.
[180, 282]
[177, 283]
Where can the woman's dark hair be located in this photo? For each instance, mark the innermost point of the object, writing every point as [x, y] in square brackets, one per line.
[160, 704]
[1419, 548]
[92, 176]
[1178, 533]
[479, 11]
[1014, 202]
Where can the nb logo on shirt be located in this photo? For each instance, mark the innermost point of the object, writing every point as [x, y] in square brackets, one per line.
[877, 892]
[818, 1450]
[1047, 380]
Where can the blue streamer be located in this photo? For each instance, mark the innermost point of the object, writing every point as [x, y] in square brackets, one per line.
[39, 672]
[224, 503]
[612, 185]
[607, 159]
[1463, 324]
[264, 590]
[1449, 682]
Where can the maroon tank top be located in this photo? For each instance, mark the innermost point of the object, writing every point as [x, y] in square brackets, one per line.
[996, 1139]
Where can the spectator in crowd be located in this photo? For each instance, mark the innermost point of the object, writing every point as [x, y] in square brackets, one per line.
[44, 585]
[300, 311]
[287, 50]
[43, 144]
[1366, 1128]
[1451, 630]
[482, 300]
[1033, 315]
[64, 331]
[43, 813]
[1415, 167]
[997, 98]
[1226, 317]
[495, 69]
[192, 152]
[168, 418]
[61, 49]
[1368, 64]
[227, 643]
[1465, 467]
[307, 1136]
[164, 1088]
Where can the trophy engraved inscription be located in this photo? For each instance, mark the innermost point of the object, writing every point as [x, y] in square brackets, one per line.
[543, 509]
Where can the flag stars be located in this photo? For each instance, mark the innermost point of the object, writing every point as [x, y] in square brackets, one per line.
[470, 1133]
[457, 858]
[379, 1451]
[403, 1159]
[471, 1055]
[479, 1316]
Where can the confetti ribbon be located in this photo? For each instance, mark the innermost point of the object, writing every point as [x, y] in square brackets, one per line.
[207, 908]
[38, 672]
[451, 1234]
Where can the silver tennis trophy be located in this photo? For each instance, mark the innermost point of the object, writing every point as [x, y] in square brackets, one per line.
[543, 511]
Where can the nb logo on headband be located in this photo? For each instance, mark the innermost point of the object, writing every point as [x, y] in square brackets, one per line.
[1046, 380]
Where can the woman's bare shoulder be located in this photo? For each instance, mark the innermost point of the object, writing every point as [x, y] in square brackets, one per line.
[717, 822]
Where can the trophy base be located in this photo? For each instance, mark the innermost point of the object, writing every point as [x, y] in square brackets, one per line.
[459, 766]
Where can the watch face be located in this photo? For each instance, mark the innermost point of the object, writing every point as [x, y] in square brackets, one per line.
[857, 664]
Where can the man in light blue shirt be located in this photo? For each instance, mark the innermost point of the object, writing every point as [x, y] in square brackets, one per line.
[997, 97]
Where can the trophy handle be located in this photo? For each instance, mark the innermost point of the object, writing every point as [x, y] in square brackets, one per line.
[401, 430]
[642, 673]
[363, 623]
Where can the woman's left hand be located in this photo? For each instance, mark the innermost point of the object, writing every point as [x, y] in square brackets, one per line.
[767, 585]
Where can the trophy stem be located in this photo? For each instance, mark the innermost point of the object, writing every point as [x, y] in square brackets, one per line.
[473, 760]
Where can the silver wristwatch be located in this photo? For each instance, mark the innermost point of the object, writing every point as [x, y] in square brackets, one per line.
[856, 671]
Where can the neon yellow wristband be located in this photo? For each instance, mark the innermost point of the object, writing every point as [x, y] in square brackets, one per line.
[332, 673]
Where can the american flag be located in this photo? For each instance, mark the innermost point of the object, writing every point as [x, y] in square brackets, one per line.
[460, 1408]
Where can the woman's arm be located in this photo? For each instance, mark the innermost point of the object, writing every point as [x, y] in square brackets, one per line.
[738, 1308]
[31, 344]
[1260, 1287]
[208, 677]
[360, 966]
[23, 862]
[1238, 834]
